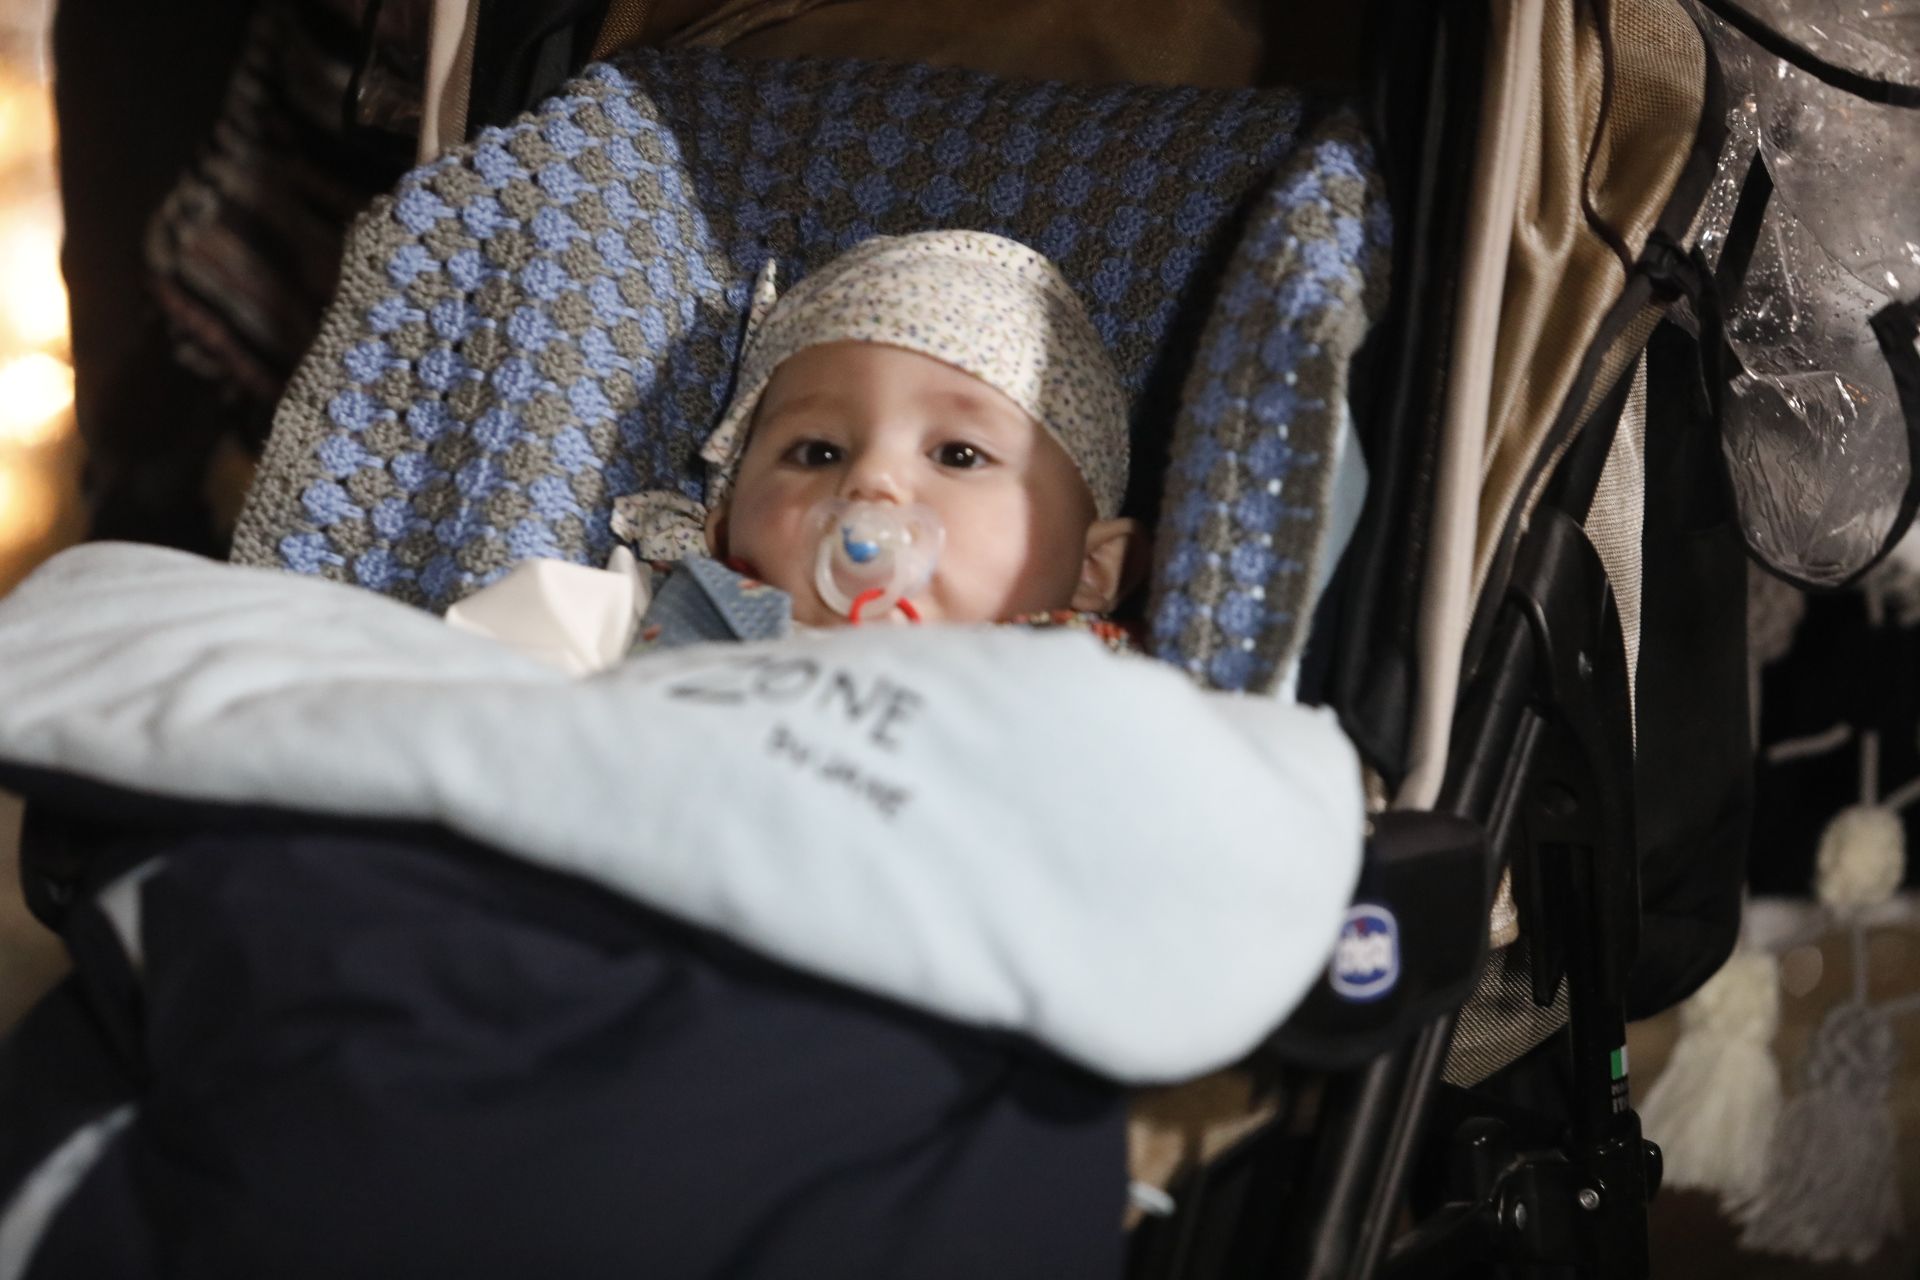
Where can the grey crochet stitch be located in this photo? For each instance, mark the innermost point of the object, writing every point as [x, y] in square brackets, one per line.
[548, 317]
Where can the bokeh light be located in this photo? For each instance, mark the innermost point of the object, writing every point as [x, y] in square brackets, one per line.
[38, 453]
[29, 505]
[26, 120]
[33, 308]
[36, 396]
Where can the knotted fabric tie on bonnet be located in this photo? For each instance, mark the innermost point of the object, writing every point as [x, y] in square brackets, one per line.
[982, 303]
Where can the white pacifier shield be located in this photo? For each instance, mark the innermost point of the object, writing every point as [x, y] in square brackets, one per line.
[873, 546]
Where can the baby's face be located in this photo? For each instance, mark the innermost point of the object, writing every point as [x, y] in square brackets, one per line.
[862, 421]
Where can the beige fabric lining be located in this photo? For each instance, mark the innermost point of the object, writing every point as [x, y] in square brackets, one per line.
[443, 117]
[1562, 281]
[1500, 1020]
[1627, 347]
[1614, 523]
[1178, 1127]
[1445, 602]
[624, 24]
[1562, 277]
[1503, 922]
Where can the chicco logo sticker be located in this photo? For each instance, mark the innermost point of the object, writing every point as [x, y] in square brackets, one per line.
[1366, 961]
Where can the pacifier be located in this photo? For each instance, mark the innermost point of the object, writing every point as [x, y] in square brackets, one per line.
[872, 554]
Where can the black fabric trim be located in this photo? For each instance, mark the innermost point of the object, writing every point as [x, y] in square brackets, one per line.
[1693, 771]
[1424, 116]
[361, 56]
[76, 795]
[1431, 870]
[1897, 327]
[514, 54]
[80, 832]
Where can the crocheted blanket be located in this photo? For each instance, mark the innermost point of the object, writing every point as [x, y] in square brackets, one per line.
[548, 317]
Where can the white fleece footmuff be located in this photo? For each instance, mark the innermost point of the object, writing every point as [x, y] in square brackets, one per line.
[1014, 829]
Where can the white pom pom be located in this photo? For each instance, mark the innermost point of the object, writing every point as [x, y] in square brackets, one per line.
[1714, 1108]
[1863, 856]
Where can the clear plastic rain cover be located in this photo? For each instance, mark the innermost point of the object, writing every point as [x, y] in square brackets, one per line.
[1815, 438]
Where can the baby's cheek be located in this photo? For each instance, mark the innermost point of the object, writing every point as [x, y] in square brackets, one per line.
[774, 549]
[996, 566]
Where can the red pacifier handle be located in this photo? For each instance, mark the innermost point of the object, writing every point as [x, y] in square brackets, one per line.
[866, 598]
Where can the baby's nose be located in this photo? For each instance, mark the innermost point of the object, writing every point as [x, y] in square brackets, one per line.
[871, 481]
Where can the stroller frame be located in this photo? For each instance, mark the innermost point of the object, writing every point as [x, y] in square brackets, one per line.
[1540, 773]
[1521, 1188]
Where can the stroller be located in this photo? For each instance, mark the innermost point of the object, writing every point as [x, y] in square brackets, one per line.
[1534, 634]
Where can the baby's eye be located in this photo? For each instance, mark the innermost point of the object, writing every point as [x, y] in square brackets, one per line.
[963, 457]
[814, 453]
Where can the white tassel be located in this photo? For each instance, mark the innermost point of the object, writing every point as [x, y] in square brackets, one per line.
[1714, 1107]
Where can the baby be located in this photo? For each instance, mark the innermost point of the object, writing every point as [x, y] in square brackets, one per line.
[945, 390]
[926, 428]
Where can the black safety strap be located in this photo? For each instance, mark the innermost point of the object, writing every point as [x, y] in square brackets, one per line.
[1679, 273]
[1743, 230]
[1897, 326]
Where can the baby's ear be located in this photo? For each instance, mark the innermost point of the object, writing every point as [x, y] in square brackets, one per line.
[717, 532]
[1111, 564]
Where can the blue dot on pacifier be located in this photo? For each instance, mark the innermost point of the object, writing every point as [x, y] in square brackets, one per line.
[858, 552]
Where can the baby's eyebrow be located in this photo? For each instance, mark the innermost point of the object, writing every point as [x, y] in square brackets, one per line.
[806, 401]
[967, 404]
